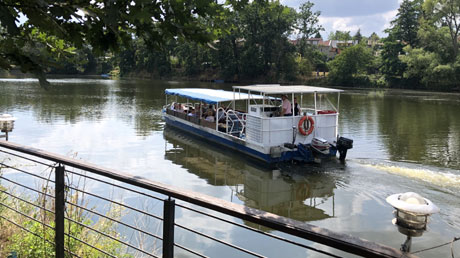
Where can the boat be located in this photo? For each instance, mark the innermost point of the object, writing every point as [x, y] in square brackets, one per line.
[249, 120]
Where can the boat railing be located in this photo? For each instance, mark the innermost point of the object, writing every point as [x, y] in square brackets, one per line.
[235, 122]
[273, 131]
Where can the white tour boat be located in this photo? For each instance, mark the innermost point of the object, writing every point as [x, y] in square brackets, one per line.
[249, 119]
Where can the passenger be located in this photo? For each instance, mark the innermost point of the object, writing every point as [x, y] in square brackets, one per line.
[191, 112]
[286, 107]
[173, 106]
[296, 107]
[210, 117]
[204, 111]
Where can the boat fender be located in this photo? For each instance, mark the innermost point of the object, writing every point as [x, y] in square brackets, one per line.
[306, 128]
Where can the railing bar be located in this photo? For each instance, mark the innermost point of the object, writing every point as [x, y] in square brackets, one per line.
[25, 229]
[190, 250]
[31, 203]
[111, 237]
[27, 216]
[219, 241]
[83, 242]
[26, 172]
[24, 186]
[71, 253]
[118, 203]
[19, 156]
[121, 223]
[257, 231]
[119, 186]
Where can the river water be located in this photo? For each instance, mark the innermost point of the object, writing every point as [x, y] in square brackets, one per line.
[403, 141]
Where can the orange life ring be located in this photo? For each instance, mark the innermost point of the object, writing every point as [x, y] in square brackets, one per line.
[303, 128]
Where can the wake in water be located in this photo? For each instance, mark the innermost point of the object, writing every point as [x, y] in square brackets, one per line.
[436, 176]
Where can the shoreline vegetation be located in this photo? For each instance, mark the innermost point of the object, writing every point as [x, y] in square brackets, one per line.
[321, 81]
[243, 42]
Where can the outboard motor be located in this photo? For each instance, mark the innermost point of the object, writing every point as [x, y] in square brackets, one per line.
[343, 145]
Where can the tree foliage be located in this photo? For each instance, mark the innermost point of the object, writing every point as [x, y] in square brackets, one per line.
[340, 35]
[350, 65]
[406, 24]
[422, 47]
[36, 34]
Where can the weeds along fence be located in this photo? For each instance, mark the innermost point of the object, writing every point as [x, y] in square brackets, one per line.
[65, 207]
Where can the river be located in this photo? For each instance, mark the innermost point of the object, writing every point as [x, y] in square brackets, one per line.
[403, 141]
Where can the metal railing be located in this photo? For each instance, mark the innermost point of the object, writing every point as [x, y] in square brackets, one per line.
[66, 174]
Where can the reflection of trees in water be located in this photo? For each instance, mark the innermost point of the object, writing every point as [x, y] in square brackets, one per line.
[68, 101]
[284, 192]
[417, 127]
[137, 103]
[140, 102]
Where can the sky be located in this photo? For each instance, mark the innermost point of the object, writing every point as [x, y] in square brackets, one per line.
[351, 15]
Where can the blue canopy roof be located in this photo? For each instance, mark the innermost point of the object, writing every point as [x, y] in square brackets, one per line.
[210, 96]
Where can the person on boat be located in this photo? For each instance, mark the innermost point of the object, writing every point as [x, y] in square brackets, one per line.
[210, 117]
[286, 107]
[191, 112]
[296, 107]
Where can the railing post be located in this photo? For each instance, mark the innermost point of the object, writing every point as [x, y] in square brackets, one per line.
[168, 228]
[59, 210]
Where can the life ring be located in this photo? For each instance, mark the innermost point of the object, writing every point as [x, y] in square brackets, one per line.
[305, 129]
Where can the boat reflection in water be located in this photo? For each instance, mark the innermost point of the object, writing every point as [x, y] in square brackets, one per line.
[286, 191]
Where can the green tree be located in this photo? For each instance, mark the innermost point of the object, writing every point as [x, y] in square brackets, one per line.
[392, 66]
[340, 35]
[403, 32]
[307, 21]
[446, 13]
[406, 24]
[265, 30]
[56, 27]
[358, 36]
[374, 37]
[350, 66]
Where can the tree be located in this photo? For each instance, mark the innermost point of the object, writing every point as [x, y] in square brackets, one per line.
[374, 37]
[318, 35]
[446, 13]
[404, 31]
[348, 67]
[57, 27]
[392, 66]
[340, 35]
[307, 21]
[265, 30]
[358, 36]
[406, 24]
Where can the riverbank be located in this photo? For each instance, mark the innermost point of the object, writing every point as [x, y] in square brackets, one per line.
[320, 80]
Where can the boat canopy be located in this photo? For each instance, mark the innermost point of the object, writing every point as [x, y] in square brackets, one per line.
[278, 89]
[210, 96]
